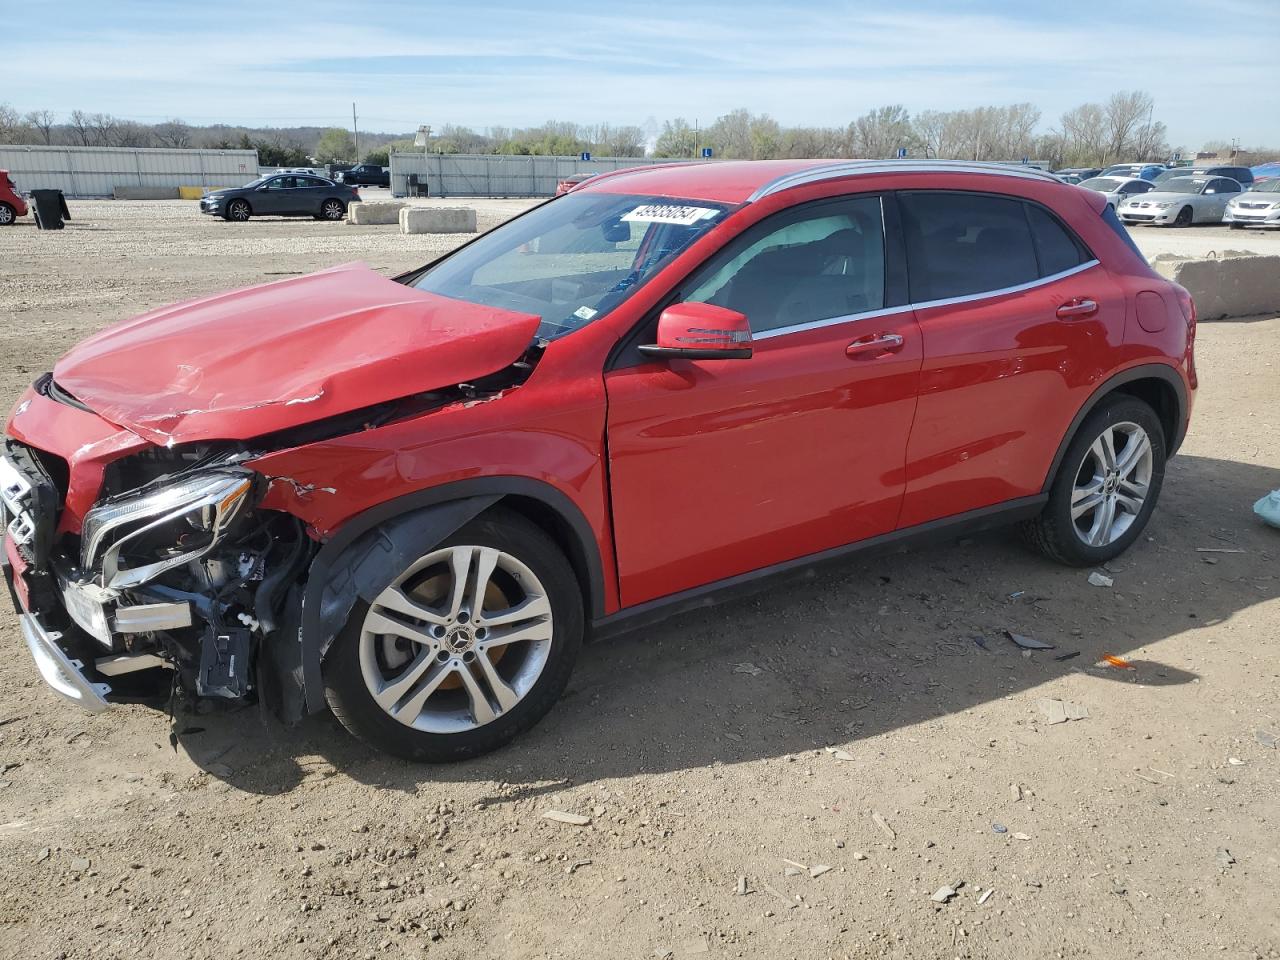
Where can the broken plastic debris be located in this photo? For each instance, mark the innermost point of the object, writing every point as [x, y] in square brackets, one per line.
[742, 886]
[883, 824]
[1060, 711]
[1021, 836]
[1109, 660]
[1268, 508]
[1028, 643]
[999, 828]
[986, 895]
[1067, 656]
[943, 894]
[1266, 738]
[1225, 859]
[1097, 579]
[840, 754]
[818, 869]
[573, 819]
[747, 667]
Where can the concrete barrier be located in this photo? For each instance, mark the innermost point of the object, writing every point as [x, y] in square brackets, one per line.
[145, 193]
[437, 220]
[365, 212]
[1237, 284]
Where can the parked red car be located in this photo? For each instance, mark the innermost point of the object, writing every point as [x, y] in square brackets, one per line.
[565, 184]
[12, 206]
[411, 499]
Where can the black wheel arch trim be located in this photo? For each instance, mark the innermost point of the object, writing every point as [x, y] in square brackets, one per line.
[1146, 371]
[367, 551]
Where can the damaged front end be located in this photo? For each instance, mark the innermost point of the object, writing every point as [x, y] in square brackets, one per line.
[173, 569]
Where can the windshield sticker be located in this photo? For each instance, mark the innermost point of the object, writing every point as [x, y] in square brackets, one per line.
[585, 313]
[670, 213]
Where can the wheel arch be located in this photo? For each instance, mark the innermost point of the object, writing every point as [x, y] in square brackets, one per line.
[1157, 384]
[369, 549]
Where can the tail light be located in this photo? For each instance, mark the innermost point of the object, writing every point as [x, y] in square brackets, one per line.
[1188, 314]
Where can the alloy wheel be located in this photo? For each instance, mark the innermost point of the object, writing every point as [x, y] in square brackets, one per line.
[457, 640]
[6, 214]
[239, 210]
[332, 210]
[1112, 484]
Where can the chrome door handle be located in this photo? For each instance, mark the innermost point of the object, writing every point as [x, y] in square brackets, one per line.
[882, 344]
[1075, 309]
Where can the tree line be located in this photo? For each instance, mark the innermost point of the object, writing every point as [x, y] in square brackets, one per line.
[1122, 128]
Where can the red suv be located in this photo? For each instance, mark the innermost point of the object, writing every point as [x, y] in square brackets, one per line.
[12, 206]
[411, 499]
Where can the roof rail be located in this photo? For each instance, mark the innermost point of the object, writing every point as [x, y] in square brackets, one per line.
[850, 168]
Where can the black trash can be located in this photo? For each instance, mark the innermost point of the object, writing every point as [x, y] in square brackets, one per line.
[49, 208]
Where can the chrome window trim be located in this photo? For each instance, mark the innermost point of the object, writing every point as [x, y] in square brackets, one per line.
[849, 168]
[923, 305]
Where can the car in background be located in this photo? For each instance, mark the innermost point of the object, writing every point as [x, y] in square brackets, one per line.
[1147, 171]
[1181, 202]
[1117, 189]
[1266, 171]
[366, 175]
[411, 499]
[565, 184]
[1241, 175]
[1083, 173]
[288, 195]
[12, 205]
[1260, 207]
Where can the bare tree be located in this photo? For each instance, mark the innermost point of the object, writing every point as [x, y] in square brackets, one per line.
[172, 133]
[102, 129]
[42, 122]
[881, 132]
[81, 128]
[1125, 113]
[13, 128]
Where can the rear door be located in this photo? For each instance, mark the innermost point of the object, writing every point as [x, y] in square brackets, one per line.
[720, 467]
[310, 193]
[1016, 316]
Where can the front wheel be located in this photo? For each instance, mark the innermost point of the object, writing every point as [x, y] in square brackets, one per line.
[7, 215]
[1106, 487]
[238, 210]
[1184, 217]
[465, 649]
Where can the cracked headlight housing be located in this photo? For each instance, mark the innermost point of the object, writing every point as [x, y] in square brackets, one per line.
[133, 539]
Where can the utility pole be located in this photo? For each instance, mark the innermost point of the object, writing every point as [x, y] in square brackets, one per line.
[355, 130]
[695, 138]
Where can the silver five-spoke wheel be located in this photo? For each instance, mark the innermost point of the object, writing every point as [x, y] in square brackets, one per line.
[457, 640]
[1111, 484]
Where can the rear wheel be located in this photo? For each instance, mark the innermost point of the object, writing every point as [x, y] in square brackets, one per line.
[238, 210]
[1183, 219]
[332, 210]
[1106, 487]
[469, 646]
[7, 215]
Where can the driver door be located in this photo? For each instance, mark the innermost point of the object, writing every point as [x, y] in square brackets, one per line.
[273, 196]
[720, 467]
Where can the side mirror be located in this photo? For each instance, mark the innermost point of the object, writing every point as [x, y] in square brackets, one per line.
[701, 331]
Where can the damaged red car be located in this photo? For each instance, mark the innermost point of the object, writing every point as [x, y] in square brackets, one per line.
[411, 500]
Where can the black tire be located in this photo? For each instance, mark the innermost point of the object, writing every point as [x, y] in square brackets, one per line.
[333, 209]
[1184, 217]
[238, 210]
[1236, 226]
[1054, 531]
[352, 703]
[8, 215]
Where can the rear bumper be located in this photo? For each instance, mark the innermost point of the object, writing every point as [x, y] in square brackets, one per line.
[63, 673]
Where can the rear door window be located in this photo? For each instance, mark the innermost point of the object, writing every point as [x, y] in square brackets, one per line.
[961, 244]
[1056, 249]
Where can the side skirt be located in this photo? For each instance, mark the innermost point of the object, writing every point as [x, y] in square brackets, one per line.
[709, 595]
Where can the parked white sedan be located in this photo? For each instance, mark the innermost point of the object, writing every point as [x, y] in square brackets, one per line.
[1118, 189]
[1260, 207]
[1181, 202]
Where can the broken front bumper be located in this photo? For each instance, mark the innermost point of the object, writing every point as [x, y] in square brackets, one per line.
[64, 674]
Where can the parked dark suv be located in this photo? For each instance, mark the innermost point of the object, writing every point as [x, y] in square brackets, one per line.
[366, 175]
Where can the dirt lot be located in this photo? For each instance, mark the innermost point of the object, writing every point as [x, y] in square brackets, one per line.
[699, 748]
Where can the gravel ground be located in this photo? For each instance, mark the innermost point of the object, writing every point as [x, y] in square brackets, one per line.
[721, 824]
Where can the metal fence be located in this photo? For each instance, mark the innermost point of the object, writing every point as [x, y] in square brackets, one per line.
[473, 175]
[98, 171]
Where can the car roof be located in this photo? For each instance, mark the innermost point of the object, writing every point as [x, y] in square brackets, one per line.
[742, 181]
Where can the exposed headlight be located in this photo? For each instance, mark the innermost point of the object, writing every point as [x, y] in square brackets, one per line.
[1163, 206]
[134, 539]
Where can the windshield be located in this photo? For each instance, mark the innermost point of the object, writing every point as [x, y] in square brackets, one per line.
[1103, 184]
[1183, 185]
[1267, 186]
[255, 183]
[572, 260]
[1122, 169]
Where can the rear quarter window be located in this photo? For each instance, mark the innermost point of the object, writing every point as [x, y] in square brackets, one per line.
[1057, 250]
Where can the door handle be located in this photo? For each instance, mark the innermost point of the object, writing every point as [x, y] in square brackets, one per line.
[1076, 309]
[878, 344]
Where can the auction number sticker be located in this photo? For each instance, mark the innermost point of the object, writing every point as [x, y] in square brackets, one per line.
[670, 213]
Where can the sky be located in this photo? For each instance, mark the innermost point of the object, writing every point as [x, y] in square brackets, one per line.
[1210, 66]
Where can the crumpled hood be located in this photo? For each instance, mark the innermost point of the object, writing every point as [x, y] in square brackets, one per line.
[237, 365]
